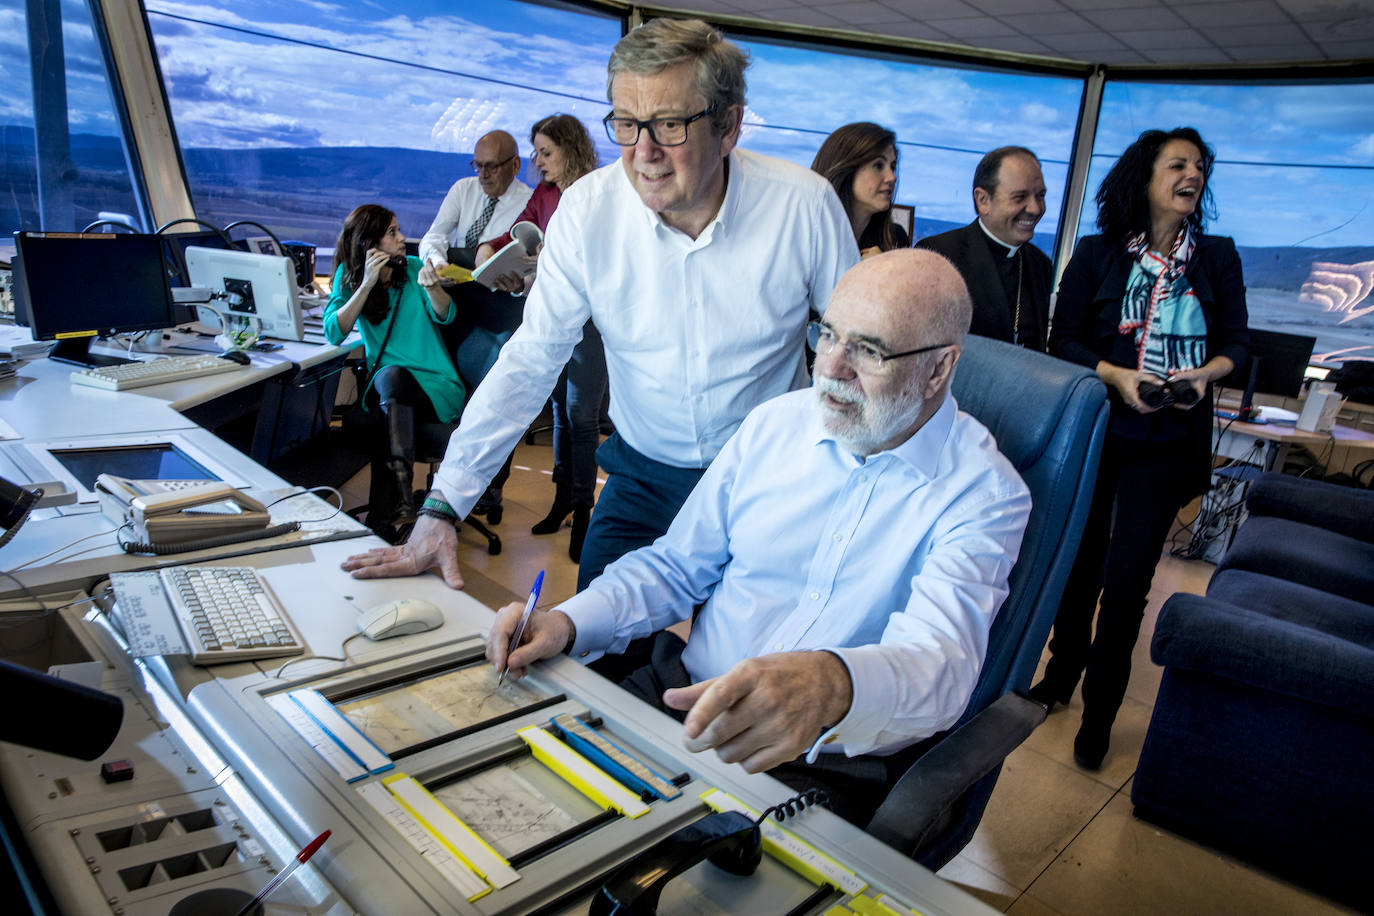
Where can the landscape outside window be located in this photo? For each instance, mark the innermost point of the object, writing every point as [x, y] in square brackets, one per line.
[1294, 186]
[290, 112]
[93, 173]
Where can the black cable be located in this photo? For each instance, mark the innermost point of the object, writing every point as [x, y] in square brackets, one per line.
[281, 249]
[109, 222]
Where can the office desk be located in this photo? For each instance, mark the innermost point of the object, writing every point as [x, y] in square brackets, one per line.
[235, 754]
[1238, 438]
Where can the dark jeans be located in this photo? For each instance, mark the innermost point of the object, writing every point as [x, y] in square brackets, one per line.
[1140, 487]
[638, 503]
[856, 785]
[577, 417]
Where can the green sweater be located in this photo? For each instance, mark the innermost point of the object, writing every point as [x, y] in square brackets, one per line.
[415, 343]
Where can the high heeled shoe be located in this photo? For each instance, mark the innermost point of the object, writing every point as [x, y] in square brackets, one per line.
[1047, 693]
[562, 505]
[582, 516]
[1091, 743]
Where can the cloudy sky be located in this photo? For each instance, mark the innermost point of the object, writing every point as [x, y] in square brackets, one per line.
[435, 75]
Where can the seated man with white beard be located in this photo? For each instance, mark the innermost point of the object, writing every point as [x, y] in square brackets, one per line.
[848, 548]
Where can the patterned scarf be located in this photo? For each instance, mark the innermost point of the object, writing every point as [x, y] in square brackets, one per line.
[1161, 309]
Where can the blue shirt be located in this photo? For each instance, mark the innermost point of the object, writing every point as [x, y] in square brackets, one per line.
[897, 563]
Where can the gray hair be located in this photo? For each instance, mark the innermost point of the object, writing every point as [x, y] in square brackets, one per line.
[658, 44]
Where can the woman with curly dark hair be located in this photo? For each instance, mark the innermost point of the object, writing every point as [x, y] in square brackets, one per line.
[860, 161]
[397, 303]
[1157, 308]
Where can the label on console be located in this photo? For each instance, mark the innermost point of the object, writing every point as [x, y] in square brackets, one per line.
[150, 625]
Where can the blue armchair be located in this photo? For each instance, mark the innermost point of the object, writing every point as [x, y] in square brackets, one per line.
[1048, 417]
[1263, 730]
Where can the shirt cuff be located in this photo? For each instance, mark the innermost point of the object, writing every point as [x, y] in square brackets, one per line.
[594, 619]
[858, 730]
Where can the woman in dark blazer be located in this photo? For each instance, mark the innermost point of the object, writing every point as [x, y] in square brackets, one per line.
[1157, 309]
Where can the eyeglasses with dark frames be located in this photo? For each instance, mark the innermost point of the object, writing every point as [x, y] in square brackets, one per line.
[662, 131]
[483, 167]
[864, 357]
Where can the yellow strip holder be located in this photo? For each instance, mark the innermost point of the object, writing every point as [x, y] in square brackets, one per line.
[455, 836]
[589, 778]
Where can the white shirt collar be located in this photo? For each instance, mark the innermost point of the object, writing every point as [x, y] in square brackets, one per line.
[1011, 249]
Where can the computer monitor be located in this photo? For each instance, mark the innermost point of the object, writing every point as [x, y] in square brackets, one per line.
[258, 285]
[71, 288]
[1277, 365]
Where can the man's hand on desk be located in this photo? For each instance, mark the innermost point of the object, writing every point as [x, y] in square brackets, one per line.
[432, 542]
[766, 710]
[547, 634]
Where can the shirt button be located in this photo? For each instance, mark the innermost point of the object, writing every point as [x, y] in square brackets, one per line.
[863, 478]
[777, 647]
[838, 537]
[815, 596]
[585, 654]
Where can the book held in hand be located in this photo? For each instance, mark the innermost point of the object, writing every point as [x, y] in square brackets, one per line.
[518, 257]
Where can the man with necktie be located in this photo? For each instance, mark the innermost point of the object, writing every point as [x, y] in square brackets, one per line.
[479, 208]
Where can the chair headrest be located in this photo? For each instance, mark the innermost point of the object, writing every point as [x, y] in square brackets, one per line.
[1025, 423]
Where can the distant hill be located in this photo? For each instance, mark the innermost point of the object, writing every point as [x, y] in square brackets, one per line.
[282, 189]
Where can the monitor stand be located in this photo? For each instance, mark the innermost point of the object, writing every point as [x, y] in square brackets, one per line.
[76, 351]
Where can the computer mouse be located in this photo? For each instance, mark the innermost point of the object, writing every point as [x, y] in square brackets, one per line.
[237, 356]
[400, 618]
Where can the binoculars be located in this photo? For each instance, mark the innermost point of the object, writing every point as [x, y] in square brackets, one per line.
[1179, 391]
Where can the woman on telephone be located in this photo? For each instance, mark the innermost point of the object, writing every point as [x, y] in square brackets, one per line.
[397, 303]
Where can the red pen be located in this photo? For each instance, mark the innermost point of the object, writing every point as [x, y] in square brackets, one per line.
[301, 858]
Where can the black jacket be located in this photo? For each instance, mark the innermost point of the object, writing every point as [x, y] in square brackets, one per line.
[967, 248]
[1087, 314]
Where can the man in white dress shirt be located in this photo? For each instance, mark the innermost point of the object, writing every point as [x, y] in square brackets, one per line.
[698, 262]
[479, 208]
[848, 550]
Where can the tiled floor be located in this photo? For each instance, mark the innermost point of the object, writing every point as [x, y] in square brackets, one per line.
[1055, 839]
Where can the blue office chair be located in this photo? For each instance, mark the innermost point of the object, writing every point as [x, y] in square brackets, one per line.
[1048, 417]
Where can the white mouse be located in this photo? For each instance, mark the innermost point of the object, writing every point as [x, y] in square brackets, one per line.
[400, 618]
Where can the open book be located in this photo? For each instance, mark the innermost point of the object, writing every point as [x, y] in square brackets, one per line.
[518, 257]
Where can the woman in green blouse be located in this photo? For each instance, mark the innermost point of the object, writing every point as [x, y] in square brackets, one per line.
[397, 303]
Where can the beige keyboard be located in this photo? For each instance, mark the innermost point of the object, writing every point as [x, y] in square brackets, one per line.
[153, 372]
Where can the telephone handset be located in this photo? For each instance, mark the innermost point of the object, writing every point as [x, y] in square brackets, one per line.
[169, 512]
[397, 261]
[731, 840]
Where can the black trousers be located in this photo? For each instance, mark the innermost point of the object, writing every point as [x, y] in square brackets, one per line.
[1140, 487]
[856, 785]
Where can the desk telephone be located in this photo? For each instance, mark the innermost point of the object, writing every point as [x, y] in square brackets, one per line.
[182, 514]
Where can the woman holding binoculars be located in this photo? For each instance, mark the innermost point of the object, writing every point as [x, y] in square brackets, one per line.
[1157, 309]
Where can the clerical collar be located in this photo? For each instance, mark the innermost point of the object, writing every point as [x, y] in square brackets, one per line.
[1011, 249]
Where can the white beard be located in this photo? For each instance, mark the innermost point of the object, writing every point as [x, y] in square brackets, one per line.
[874, 423]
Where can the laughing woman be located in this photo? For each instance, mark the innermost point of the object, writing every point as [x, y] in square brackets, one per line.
[1149, 301]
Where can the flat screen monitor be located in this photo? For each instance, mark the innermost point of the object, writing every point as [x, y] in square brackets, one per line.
[76, 463]
[257, 285]
[72, 288]
[154, 461]
[1277, 366]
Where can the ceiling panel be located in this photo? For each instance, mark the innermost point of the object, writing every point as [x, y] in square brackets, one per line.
[1097, 31]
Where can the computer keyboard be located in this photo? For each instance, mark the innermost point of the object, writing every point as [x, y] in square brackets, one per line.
[228, 614]
[153, 372]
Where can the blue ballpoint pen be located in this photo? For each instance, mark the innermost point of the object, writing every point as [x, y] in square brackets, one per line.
[524, 619]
